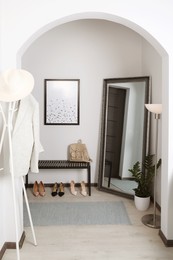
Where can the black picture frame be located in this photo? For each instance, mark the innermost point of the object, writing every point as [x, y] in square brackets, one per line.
[61, 101]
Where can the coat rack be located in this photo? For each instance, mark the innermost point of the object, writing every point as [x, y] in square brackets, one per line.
[14, 85]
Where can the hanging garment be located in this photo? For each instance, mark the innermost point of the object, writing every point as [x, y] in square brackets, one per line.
[26, 144]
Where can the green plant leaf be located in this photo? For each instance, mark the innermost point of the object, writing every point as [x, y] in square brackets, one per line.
[144, 179]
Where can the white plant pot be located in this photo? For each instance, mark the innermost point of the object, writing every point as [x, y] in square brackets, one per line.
[142, 204]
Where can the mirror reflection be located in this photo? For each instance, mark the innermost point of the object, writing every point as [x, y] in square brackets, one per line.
[124, 135]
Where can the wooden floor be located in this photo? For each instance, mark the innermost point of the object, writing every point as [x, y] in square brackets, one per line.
[108, 242]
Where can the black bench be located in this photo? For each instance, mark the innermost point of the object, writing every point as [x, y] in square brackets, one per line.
[64, 164]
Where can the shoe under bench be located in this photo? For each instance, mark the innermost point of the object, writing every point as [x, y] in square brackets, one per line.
[64, 164]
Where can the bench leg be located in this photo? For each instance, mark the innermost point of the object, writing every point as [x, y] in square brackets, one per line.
[89, 180]
[26, 181]
[110, 175]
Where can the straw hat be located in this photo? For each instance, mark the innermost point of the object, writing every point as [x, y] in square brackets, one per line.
[15, 84]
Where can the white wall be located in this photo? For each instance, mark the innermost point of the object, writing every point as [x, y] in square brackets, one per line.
[152, 65]
[89, 50]
[2, 237]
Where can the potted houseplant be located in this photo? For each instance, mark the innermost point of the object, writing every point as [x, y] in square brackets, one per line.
[144, 178]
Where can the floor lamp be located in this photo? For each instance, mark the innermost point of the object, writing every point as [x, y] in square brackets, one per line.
[153, 220]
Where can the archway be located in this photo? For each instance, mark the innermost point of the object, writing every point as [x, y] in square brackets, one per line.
[93, 15]
[103, 16]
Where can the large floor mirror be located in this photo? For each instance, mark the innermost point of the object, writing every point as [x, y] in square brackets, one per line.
[124, 132]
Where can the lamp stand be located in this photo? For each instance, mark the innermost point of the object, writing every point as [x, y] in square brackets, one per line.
[153, 220]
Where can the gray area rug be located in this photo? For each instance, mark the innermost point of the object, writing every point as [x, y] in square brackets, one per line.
[78, 213]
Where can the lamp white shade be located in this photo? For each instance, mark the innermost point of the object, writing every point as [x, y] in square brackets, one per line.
[154, 108]
[15, 84]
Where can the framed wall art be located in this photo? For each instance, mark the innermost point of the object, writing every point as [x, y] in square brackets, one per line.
[61, 102]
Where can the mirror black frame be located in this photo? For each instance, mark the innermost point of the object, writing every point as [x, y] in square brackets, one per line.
[146, 133]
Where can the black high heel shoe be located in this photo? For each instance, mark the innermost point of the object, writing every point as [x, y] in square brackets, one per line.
[55, 189]
[61, 189]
